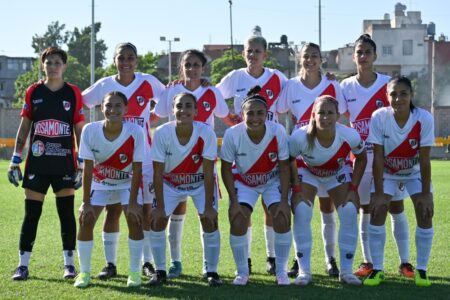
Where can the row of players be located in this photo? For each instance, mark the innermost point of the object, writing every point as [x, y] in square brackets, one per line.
[360, 96]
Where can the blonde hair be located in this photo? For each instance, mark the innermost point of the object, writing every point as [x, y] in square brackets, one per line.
[311, 133]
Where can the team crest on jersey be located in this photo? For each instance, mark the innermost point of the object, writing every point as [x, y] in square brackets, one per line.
[273, 156]
[66, 105]
[341, 162]
[196, 158]
[151, 187]
[206, 105]
[413, 143]
[38, 148]
[379, 103]
[269, 94]
[140, 100]
[123, 158]
[340, 178]
[401, 186]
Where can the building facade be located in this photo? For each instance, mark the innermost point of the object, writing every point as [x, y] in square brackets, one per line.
[10, 69]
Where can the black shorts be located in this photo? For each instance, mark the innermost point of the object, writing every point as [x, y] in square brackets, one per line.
[41, 182]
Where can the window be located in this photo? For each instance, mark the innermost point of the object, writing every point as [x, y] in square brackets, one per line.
[1, 86]
[13, 64]
[387, 50]
[407, 47]
[24, 66]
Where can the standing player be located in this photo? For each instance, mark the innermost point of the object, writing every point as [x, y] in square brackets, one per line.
[53, 113]
[402, 136]
[237, 84]
[183, 155]
[210, 103]
[113, 152]
[255, 162]
[324, 146]
[140, 89]
[364, 93]
[298, 97]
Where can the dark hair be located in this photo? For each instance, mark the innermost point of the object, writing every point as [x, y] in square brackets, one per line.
[258, 40]
[118, 94]
[200, 55]
[54, 50]
[312, 128]
[253, 95]
[405, 80]
[366, 38]
[185, 94]
[128, 45]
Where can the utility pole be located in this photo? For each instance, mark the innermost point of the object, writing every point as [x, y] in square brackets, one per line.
[92, 110]
[231, 34]
[320, 24]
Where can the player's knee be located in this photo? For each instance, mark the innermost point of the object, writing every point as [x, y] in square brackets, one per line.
[239, 226]
[113, 213]
[209, 226]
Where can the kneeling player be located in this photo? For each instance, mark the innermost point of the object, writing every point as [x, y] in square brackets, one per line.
[113, 152]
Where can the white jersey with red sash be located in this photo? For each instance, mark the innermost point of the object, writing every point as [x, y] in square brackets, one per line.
[112, 159]
[255, 164]
[401, 145]
[210, 103]
[299, 99]
[140, 93]
[321, 161]
[183, 164]
[237, 83]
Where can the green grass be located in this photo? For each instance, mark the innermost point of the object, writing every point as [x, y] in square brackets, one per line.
[46, 262]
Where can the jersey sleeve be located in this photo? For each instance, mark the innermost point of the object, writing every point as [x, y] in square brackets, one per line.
[163, 105]
[294, 144]
[376, 129]
[427, 130]
[139, 145]
[228, 150]
[344, 97]
[283, 145]
[158, 88]
[210, 148]
[79, 113]
[284, 99]
[85, 151]
[226, 86]
[221, 110]
[355, 141]
[93, 95]
[342, 104]
[158, 150]
[26, 109]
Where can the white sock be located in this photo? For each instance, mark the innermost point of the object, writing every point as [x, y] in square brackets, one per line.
[146, 249]
[400, 231]
[303, 236]
[269, 234]
[176, 225]
[211, 250]
[110, 245]
[135, 248]
[239, 246]
[377, 240]
[84, 255]
[329, 234]
[283, 242]
[158, 245]
[68, 257]
[348, 236]
[249, 239]
[424, 239]
[24, 258]
[364, 222]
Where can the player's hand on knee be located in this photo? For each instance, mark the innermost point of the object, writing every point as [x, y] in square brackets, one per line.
[135, 212]
[14, 172]
[209, 217]
[159, 218]
[378, 204]
[235, 211]
[425, 203]
[87, 213]
[283, 211]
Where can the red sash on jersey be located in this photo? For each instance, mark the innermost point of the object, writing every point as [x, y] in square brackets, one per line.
[119, 160]
[205, 106]
[271, 90]
[405, 156]
[187, 171]
[263, 169]
[362, 122]
[304, 120]
[332, 166]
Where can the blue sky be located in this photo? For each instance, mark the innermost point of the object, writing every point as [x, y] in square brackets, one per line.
[198, 22]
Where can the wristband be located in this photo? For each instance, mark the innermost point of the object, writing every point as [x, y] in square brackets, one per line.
[296, 188]
[353, 187]
[16, 159]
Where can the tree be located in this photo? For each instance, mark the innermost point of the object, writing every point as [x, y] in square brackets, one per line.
[148, 63]
[76, 73]
[55, 36]
[79, 46]
[222, 66]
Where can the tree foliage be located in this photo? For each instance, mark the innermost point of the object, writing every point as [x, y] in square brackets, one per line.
[79, 46]
[55, 36]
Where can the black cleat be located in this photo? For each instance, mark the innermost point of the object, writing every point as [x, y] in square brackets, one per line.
[214, 279]
[148, 269]
[21, 273]
[158, 278]
[249, 265]
[270, 265]
[293, 272]
[108, 272]
[331, 267]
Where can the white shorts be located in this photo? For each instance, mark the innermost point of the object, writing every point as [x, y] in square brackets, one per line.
[109, 197]
[321, 191]
[173, 197]
[400, 187]
[271, 193]
[147, 190]
[324, 184]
